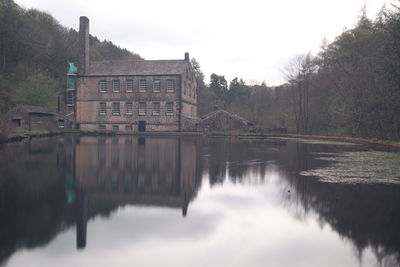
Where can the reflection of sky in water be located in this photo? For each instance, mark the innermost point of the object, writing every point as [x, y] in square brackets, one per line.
[227, 225]
[247, 205]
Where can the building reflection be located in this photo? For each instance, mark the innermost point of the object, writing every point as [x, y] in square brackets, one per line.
[50, 185]
[126, 170]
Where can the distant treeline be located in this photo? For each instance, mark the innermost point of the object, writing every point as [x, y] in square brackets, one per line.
[34, 52]
[351, 88]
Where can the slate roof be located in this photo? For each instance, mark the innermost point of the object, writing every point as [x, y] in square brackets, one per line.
[35, 109]
[226, 113]
[137, 67]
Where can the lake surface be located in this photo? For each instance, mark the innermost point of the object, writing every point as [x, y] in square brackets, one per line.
[130, 201]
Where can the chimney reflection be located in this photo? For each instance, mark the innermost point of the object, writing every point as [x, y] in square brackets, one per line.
[127, 170]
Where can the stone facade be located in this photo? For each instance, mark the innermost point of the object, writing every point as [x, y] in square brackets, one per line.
[133, 95]
[222, 120]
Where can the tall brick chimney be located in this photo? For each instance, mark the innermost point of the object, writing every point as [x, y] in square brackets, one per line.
[84, 60]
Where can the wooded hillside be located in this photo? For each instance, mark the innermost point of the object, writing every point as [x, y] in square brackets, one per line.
[34, 52]
[351, 88]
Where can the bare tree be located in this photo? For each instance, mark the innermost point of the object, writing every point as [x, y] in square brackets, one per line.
[298, 74]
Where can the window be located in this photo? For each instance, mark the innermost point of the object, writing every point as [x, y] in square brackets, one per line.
[170, 85]
[156, 85]
[156, 108]
[103, 86]
[116, 85]
[115, 128]
[103, 109]
[169, 108]
[102, 128]
[61, 123]
[142, 108]
[115, 110]
[190, 89]
[184, 89]
[129, 86]
[70, 97]
[16, 122]
[129, 108]
[142, 85]
[128, 128]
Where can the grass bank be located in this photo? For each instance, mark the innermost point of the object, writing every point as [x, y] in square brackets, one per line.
[373, 143]
[19, 134]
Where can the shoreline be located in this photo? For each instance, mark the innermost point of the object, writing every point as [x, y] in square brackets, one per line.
[28, 136]
[374, 144]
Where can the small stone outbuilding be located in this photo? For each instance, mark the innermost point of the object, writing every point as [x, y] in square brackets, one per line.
[222, 120]
[35, 118]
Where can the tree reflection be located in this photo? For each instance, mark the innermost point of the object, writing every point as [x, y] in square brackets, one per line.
[238, 160]
[47, 185]
[368, 215]
[33, 206]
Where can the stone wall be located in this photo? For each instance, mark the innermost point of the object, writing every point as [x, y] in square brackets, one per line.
[42, 121]
[129, 127]
[189, 92]
[189, 124]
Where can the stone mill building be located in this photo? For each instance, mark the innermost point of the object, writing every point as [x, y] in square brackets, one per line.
[131, 95]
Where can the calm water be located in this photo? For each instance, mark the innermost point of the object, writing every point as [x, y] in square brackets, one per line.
[129, 201]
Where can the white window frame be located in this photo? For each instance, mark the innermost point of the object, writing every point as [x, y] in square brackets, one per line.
[156, 109]
[61, 123]
[105, 108]
[128, 111]
[114, 111]
[103, 86]
[169, 105]
[142, 85]
[129, 89]
[116, 85]
[142, 108]
[170, 85]
[157, 85]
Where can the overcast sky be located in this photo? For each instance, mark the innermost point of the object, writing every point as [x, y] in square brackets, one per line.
[251, 39]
